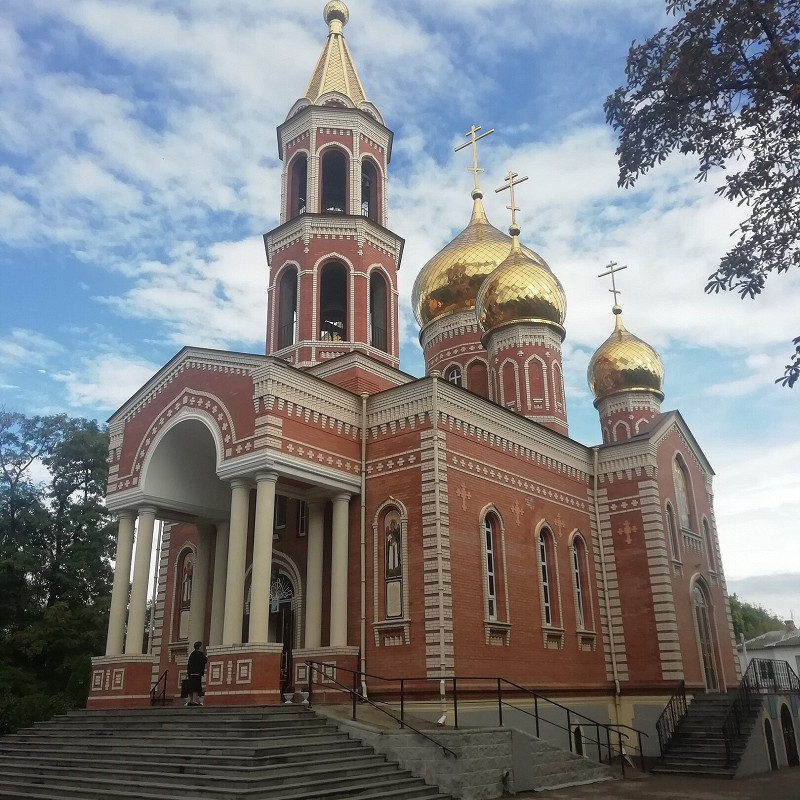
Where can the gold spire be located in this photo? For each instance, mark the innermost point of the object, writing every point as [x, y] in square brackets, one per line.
[511, 182]
[475, 169]
[335, 71]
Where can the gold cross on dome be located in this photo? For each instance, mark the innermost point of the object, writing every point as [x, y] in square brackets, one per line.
[612, 269]
[513, 180]
[473, 140]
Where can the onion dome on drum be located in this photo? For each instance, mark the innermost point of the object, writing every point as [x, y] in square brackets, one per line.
[624, 363]
[450, 281]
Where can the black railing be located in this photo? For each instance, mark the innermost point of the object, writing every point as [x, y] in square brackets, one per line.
[763, 676]
[608, 738]
[675, 709]
[356, 697]
[155, 694]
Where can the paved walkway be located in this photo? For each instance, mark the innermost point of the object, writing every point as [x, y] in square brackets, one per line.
[781, 785]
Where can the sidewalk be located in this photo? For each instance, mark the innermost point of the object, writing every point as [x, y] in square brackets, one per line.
[781, 785]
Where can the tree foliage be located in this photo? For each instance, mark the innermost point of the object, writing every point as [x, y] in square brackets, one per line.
[55, 573]
[751, 620]
[723, 83]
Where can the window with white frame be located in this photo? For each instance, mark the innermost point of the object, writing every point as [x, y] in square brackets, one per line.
[491, 584]
[544, 565]
[577, 562]
[682, 493]
[672, 533]
[453, 375]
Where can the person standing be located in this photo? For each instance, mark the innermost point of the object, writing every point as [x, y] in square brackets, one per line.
[196, 667]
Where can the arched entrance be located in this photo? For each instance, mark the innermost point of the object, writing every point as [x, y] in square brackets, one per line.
[773, 758]
[789, 738]
[705, 639]
[282, 622]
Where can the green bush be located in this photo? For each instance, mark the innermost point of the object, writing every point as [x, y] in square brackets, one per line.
[22, 711]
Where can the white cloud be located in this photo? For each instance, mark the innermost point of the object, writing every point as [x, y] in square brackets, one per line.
[27, 348]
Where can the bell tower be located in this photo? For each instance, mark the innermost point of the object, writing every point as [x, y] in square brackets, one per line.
[333, 262]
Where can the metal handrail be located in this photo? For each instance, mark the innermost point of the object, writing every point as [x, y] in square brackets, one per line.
[358, 696]
[672, 714]
[163, 693]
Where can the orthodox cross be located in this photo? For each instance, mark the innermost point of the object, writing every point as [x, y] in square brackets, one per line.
[559, 523]
[517, 510]
[475, 169]
[612, 269]
[626, 530]
[464, 495]
[513, 180]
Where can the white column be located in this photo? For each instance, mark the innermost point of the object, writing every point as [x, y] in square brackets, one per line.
[237, 553]
[122, 581]
[218, 586]
[341, 505]
[262, 557]
[202, 562]
[141, 579]
[316, 518]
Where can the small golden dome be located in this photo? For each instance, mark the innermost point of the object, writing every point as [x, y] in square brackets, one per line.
[450, 281]
[521, 289]
[336, 9]
[624, 363]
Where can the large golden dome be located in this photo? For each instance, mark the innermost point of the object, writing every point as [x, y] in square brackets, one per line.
[521, 289]
[624, 363]
[451, 279]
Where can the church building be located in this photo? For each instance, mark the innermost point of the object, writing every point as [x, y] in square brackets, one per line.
[316, 503]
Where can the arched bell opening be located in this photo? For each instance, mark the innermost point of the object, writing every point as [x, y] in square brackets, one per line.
[298, 186]
[334, 182]
[287, 308]
[369, 190]
[333, 303]
[378, 312]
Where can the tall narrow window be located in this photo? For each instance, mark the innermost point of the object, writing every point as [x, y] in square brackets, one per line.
[302, 518]
[491, 589]
[547, 608]
[333, 303]
[577, 563]
[334, 182]
[287, 308]
[298, 186]
[709, 541]
[280, 514]
[672, 533]
[378, 312]
[369, 190]
[682, 494]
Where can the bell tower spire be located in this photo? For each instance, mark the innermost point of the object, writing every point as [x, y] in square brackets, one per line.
[333, 262]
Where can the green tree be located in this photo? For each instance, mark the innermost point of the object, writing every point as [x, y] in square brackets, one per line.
[723, 83]
[55, 575]
[751, 620]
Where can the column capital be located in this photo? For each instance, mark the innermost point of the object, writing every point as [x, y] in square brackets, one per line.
[127, 513]
[236, 483]
[147, 510]
[342, 496]
[316, 502]
[263, 477]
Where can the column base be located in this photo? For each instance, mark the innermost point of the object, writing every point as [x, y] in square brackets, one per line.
[334, 666]
[122, 681]
[243, 675]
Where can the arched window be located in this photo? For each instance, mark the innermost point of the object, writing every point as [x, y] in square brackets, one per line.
[682, 494]
[287, 308]
[558, 387]
[369, 190]
[334, 181]
[478, 378]
[621, 431]
[705, 637]
[510, 385]
[378, 312]
[489, 525]
[579, 580]
[298, 186]
[183, 592]
[333, 303]
[537, 381]
[393, 547]
[453, 375]
[672, 533]
[547, 577]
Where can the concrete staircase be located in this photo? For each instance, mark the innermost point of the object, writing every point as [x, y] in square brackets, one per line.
[217, 753]
[697, 747]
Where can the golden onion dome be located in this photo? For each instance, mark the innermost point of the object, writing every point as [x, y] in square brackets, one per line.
[624, 363]
[521, 289]
[450, 281]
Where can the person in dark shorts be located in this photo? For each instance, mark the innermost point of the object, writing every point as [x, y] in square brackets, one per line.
[196, 667]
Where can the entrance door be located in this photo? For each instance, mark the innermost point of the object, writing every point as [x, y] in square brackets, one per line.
[281, 624]
[705, 640]
[789, 738]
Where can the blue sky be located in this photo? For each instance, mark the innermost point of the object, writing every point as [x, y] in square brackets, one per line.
[138, 170]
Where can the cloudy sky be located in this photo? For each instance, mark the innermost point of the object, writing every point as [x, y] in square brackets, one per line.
[138, 170]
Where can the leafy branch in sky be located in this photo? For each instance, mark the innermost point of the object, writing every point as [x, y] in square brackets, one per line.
[723, 83]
